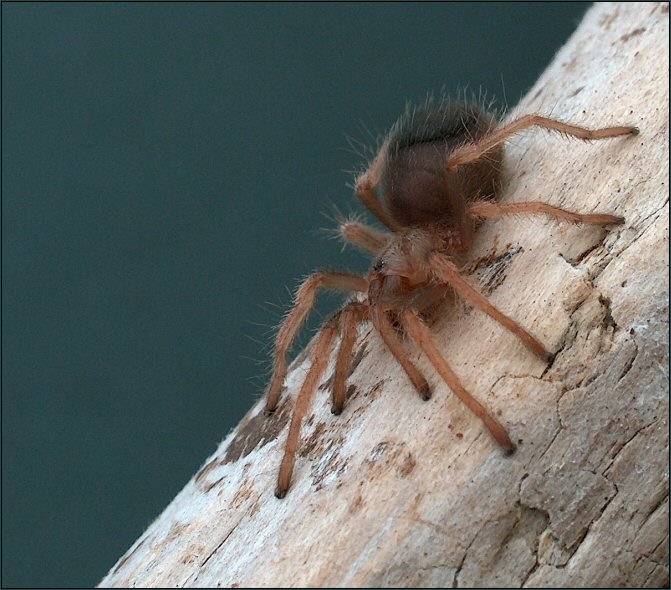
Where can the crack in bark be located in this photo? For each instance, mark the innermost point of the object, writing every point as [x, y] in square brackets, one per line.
[624, 446]
[559, 429]
[533, 568]
[212, 553]
[128, 556]
[652, 214]
[455, 579]
[631, 242]
[580, 258]
[654, 570]
[630, 363]
[573, 549]
[661, 542]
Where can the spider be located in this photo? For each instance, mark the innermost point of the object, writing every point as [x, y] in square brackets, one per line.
[435, 177]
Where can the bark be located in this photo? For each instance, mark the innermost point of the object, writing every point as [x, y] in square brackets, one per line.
[401, 492]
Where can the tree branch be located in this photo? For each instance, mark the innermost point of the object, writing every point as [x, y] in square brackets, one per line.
[401, 492]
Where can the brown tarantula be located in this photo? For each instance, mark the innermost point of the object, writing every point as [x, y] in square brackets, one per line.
[438, 175]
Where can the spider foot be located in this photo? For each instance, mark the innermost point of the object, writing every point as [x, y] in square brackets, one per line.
[425, 392]
[549, 357]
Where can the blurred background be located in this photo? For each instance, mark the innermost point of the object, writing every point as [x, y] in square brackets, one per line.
[166, 168]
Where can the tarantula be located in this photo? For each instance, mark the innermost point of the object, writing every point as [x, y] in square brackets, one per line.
[438, 176]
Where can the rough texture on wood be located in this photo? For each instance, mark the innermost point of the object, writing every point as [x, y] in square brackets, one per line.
[401, 492]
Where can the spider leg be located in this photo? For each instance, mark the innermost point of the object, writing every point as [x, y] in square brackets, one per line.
[446, 271]
[471, 152]
[348, 321]
[421, 335]
[394, 344]
[489, 210]
[320, 358]
[365, 189]
[304, 301]
[363, 236]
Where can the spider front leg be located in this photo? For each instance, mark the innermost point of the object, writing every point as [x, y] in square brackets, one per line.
[489, 210]
[394, 344]
[421, 335]
[445, 270]
[349, 319]
[472, 152]
[320, 358]
[305, 298]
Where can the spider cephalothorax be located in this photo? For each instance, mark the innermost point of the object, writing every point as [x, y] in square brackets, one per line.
[436, 175]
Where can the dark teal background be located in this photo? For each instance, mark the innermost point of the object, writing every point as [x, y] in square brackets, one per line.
[165, 168]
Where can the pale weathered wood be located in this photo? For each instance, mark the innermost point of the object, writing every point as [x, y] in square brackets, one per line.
[400, 492]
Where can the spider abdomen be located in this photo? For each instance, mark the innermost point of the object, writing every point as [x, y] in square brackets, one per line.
[416, 184]
[416, 188]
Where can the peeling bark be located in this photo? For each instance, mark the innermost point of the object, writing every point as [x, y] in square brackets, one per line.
[400, 492]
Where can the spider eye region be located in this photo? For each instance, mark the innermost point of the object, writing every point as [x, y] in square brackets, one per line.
[378, 265]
